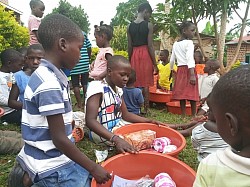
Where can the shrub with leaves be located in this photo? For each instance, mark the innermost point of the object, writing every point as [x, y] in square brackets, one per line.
[120, 40]
[12, 35]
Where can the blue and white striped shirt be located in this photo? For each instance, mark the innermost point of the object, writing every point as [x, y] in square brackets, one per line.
[46, 94]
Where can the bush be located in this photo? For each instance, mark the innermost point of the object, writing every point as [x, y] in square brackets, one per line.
[12, 35]
[120, 40]
[123, 53]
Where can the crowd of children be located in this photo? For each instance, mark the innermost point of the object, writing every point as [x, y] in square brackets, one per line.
[35, 94]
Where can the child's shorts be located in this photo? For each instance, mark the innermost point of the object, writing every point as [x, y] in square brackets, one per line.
[74, 175]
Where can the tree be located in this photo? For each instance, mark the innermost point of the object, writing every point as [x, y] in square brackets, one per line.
[76, 14]
[197, 10]
[120, 41]
[12, 35]
[126, 12]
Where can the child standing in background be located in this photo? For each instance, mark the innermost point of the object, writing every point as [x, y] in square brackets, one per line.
[133, 96]
[103, 35]
[12, 61]
[199, 68]
[229, 102]
[186, 82]
[37, 9]
[164, 81]
[80, 73]
[49, 155]
[208, 83]
[34, 55]
[141, 50]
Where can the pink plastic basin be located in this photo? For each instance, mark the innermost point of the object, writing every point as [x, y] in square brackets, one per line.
[159, 96]
[174, 107]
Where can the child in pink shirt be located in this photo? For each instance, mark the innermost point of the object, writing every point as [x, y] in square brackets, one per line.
[37, 9]
[103, 35]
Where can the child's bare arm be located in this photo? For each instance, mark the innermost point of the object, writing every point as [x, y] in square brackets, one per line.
[12, 102]
[61, 141]
[92, 106]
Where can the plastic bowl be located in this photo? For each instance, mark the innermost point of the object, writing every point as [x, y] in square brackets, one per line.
[1, 112]
[161, 131]
[174, 108]
[135, 166]
[160, 96]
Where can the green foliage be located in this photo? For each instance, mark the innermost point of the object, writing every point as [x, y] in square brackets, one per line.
[126, 12]
[120, 40]
[236, 64]
[12, 35]
[76, 14]
[94, 52]
[123, 53]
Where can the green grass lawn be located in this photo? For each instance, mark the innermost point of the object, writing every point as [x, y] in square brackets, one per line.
[158, 112]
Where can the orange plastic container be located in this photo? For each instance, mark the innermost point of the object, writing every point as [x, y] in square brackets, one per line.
[160, 96]
[161, 131]
[135, 166]
[1, 112]
[174, 107]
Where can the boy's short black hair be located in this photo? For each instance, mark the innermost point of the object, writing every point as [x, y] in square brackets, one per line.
[104, 29]
[215, 65]
[35, 47]
[34, 3]
[165, 51]
[10, 55]
[117, 59]
[232, 91]
[132, 77]
[145, 6]
[54, 27]
[23, 50]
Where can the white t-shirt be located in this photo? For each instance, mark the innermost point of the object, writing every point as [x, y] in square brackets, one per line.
[207, 84]
[183, 52]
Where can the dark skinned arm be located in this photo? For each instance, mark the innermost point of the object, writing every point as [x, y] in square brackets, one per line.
[92, 107]
[130, 48]
[192, 76]
[151, 47]
[12, 102]
[61, 141]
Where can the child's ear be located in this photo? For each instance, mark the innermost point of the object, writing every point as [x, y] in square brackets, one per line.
[233, 124]
[62, 44]
[109, 70]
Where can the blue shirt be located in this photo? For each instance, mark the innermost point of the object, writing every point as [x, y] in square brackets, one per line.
[133, 99]
[21, 81]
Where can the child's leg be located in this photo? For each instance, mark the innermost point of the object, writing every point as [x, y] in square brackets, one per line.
[145, 92]
[76, 88]
[183, 107]
[193, 107]
[84, 82]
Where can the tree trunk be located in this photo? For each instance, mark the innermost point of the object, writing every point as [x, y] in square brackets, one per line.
[232, 62]
[165, 39]
[221, 39]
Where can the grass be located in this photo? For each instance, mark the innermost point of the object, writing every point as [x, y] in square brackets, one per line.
[158, 112]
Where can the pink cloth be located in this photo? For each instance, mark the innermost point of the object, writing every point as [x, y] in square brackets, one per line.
[33, 25]
[164, 180]
[163, 145]
[100, 63]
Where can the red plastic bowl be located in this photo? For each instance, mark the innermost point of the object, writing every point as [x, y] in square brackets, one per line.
[174, 107]
[1, 112]
[135, 166]
[161, 131]
[159, 96]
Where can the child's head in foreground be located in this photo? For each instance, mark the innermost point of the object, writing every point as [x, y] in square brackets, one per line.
[164, 54]
[230, 104]
[118, 71]
[211, 66]
[103, 34]
[37, 8]
[62, 39]
[12, 60]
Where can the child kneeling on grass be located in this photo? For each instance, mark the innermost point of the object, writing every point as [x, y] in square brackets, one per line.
[230, 105]
[105, 106]
[49, 156]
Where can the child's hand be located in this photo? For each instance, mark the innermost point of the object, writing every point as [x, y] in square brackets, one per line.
[122, 146]
[100, 174]
[192, 80]
[159, 123]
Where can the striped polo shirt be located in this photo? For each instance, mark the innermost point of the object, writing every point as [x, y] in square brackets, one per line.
[46, 94]
[83, 65]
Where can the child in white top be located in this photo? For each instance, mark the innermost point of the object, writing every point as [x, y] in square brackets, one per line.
[186, 82]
